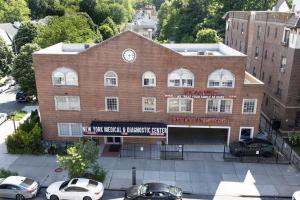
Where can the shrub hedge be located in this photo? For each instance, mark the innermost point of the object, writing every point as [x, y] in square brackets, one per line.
[6, 173]
[27, 139]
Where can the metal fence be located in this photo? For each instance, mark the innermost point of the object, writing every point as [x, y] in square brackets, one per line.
[152, 151]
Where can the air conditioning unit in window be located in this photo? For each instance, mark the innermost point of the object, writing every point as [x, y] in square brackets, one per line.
[209, 53]
[201, 53]
[282, 69]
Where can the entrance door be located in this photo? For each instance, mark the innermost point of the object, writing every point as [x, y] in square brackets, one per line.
[113, 140]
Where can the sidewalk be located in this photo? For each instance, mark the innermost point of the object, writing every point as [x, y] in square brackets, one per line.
[205, 177]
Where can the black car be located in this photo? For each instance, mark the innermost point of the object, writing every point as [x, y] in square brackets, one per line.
[252, 147]
[157, 191]
[22, 97]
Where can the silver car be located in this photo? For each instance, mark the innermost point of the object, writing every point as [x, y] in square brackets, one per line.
[18, 187]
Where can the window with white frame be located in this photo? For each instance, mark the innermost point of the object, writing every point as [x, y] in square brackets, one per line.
[149, 104]
[110, 79]
[219, 105]
[69, 129]
[181, 78]
[221, 78]
[149, 79]
[249, 106]
[112, 104]
[67, 102]
[283, 62]
[65, 76]
[246, 133]
[180, 105]
[286, 36]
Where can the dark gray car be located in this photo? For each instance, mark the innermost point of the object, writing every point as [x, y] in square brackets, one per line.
[18, 187]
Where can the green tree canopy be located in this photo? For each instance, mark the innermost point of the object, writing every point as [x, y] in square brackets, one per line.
[22, 69]
[69, 28]
[108, 21]
[42, 8]
[207, 36]
[106, 31]
[13, 10]
[6, 59]
[26, 33]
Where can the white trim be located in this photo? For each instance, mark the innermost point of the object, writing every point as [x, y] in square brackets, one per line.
[110, 85]
[188, 126]
[220, 81]
[255, 106]
[105, 140]
[143, 105]
[129, 61]
[283, 35]
[106, 104]
[244, 127]
[143, 77]
[64, 71]
[70, 130]
[181, 70]
[219, 106]
[192, 105]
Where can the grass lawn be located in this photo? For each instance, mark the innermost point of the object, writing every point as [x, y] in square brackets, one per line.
[19, 115]
[297, 150]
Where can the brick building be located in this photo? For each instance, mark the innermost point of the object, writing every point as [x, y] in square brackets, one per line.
[130, 89]
[271, 39]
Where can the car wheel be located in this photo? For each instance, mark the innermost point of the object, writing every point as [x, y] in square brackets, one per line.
[54, 197]
[87, 198]
[20, 197]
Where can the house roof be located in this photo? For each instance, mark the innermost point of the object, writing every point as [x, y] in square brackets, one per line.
[187, 49]
[8, 31]
[281, 6]
[293, 22]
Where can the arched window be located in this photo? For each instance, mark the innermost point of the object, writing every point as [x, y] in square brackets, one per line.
[181, 78]
[149, 79]
[64, 76]
[110, 79]
[221, 78]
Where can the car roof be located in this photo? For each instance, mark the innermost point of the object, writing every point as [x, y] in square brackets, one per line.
[14, 180]
[80, 182]
[158, 187]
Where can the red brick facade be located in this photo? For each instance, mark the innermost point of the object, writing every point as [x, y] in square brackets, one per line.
[92, 64]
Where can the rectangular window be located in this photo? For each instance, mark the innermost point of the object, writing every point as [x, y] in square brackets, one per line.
[297, 119]
[219, 105]
[286, 36]
[69, 129]
[258, 32]
[242, 29]
[283, 62]
[266, 54]
[263, 76]
[279, 88]
[149, 104]
[112, 104]
[249, 106]
[270, 80]
[273, 55]
[256, 52]
[246, 133]
[67, 102]
[276, 32]
[180, 105]
[268, 31]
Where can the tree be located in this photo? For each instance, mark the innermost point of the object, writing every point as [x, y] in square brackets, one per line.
[106, 31]
[22, 69]
[26, 33]
[80, 157]
[13, 10]
[70, 28]
[207, 36]
[6, 59]
[108, 21]
[42, 8]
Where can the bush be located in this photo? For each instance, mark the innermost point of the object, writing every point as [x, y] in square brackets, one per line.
[97, 173]
[294, 139]
[27, 139]
[6, 173]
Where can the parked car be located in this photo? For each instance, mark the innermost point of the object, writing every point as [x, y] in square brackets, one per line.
[76, 188]
[3, 117]
[23, 97]
[18, 187]
[153, 191]
[4, 88]
[251, 147]
[296, 195]
[11, 82]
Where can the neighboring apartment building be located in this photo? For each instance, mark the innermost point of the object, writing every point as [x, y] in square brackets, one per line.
[271, 39]
[129, 89]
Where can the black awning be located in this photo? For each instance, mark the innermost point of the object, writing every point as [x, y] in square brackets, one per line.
[107, 128]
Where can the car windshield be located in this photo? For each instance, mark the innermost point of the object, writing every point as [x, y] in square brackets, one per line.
[64, 184]
[143, 189]
[27, 182]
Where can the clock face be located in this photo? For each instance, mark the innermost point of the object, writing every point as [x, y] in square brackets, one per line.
[129, 55]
